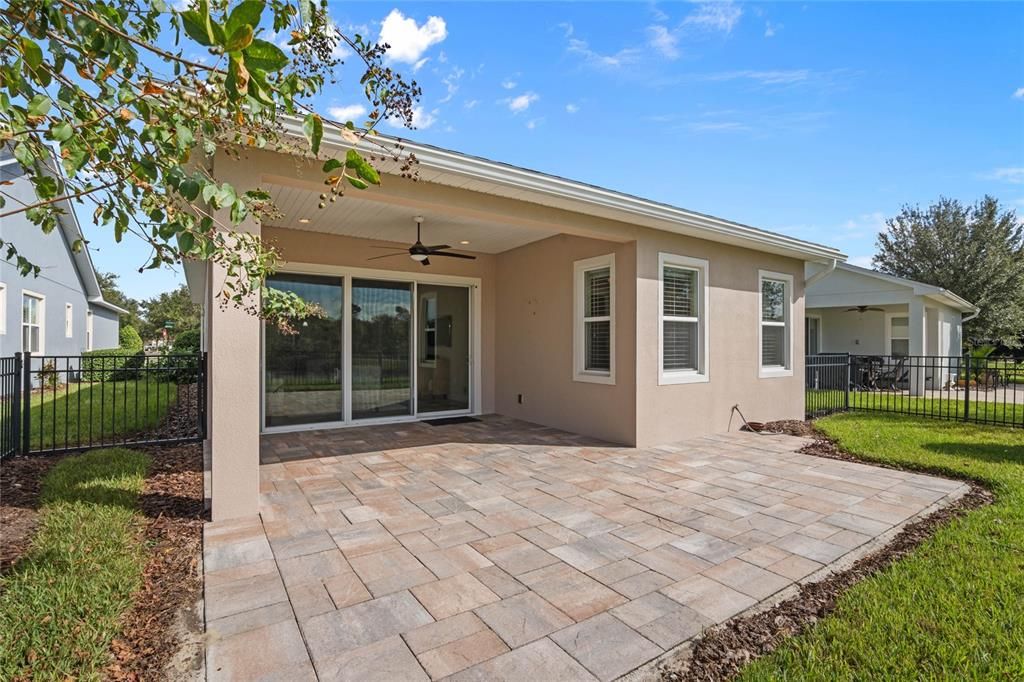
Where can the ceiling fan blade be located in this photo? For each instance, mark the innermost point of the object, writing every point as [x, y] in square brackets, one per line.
[387, 255]
[393, 248]
[438, 247]
[453, 255]
[425, 262]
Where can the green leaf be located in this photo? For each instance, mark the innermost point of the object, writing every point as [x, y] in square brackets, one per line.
[356, 182]
[61, 131]
[39, 105]
[362, 168]
[186, 240]
[209, 192]
[265, 56]
[195, 26]
[247, 13]
[189, 189]
[313, 128]
[240, 39]
[33, 53]
[332, 164]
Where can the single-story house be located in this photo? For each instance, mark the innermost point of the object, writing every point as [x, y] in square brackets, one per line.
[61, 311]
[854, 310]
[580, 308]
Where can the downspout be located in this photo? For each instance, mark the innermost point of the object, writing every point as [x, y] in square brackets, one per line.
[818, 276]
[977, 311]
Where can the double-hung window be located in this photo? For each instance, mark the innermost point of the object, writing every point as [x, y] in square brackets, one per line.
[32, 322]
[69, 321]
[594, 328]
[683, 330]
[899, 335]
[776, 322]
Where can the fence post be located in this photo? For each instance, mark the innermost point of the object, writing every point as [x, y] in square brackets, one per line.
[201, 394]
[849, 376]
[16, 406]
[967, 389]
[26, 404]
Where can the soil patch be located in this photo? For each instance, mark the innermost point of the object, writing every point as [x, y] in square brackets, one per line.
[162, 619]
[723, 650]
[20, 479]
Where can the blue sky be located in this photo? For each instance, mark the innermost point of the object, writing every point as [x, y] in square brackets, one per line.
[813, 119]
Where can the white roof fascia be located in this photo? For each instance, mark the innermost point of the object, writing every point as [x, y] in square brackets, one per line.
[919, 288]
[542, 183]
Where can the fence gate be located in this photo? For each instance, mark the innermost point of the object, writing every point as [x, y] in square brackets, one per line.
[60, 403]
[980, 390]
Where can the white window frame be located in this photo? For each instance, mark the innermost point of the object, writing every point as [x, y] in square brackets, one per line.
[889, 338]
[88, 329]
[821, 336]
[702, 373]
[580, 268]
[770, 372]
[3, 308]
[42, 320]
[69, 321]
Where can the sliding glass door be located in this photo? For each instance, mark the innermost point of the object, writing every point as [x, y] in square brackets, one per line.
[303, 370]
[381, 350]
[442, 363]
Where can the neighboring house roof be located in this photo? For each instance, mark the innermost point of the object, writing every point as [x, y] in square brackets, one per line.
[917, 288]
[454, 168]
[72, 231]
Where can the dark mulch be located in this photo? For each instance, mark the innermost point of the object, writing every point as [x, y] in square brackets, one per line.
[20, 479]
[160, 618]
[722, 651]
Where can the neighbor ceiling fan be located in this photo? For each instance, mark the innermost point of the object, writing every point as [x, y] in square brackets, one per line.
[420, 253]
[863, 309]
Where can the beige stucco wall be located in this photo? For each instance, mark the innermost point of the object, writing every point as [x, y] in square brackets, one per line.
[673, 412]
[301, 246]
[535, 340]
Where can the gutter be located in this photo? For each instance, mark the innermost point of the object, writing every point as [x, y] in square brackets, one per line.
[818, 276]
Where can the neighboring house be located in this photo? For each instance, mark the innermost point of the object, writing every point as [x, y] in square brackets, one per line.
[862, 312]
[61, 311]
[585, 309]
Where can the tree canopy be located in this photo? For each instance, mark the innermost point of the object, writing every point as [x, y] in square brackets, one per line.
[976, 252]
[174, 307]
[105, 89]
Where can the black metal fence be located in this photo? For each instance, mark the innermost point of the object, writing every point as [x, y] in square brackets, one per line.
[980, 390]
[57, 403]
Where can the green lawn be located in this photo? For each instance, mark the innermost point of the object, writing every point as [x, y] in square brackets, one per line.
[112, 410]
[954, 609]
[60, 605]
[889, 401]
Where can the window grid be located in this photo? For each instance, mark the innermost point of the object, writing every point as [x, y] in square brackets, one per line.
[682, 324]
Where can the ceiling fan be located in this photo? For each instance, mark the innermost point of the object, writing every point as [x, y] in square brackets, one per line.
[420, 253]
[863, 309]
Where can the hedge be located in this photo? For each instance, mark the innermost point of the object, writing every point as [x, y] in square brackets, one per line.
[115, 364]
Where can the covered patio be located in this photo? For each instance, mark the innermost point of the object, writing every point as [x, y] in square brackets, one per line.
[497, 549]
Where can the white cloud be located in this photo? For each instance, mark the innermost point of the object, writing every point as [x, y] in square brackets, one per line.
[407, 39]
[620, 58]
[521, 103]
[718, 127]
[509, 84]
[771, 29]
[533, 123]
[349, 112]
[421, 119]
[715, 16]
[778, 77]
[451, 82]
[1014, 176]
[1018, 93]
[664, 41]
[571, 108]
[567, 28]
[471, 104]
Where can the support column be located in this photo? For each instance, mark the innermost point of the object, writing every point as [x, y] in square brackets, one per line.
[234, 395]
[917, 319]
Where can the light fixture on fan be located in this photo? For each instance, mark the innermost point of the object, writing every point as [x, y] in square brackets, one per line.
[420, 253]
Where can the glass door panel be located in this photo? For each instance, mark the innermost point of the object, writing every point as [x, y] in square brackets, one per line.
[442, 368]
[381, 349]
[302, 384]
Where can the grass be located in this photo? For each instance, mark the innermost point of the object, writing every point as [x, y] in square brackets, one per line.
[954, 609]
[78, 413]
[952, 407]
[60, 605]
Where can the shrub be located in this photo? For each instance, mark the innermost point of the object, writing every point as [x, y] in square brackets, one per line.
[115, 364]
[186, 342]
[129, 339]
[48, 375]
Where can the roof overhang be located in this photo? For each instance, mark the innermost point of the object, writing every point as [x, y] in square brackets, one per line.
[442, 166]
[912, 288]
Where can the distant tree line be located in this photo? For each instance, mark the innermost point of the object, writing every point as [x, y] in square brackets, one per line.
[150, 316]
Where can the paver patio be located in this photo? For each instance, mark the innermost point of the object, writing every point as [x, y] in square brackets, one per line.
[504, 550]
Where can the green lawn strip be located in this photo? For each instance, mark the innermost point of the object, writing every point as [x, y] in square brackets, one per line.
[110, 410]
[951, 407]
[60, 604]
[954, 609]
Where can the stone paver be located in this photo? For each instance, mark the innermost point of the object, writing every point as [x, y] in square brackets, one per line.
[501, 550]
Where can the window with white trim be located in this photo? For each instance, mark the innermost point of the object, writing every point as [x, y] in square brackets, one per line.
[69, 321]
[776, 321]
[33, 321]
[3, 308]
[88, 330]
[682, 324]
[899, 336]
[594, 328]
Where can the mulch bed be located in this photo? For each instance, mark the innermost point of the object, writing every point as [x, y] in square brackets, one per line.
[722, 651]
[20, 479]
